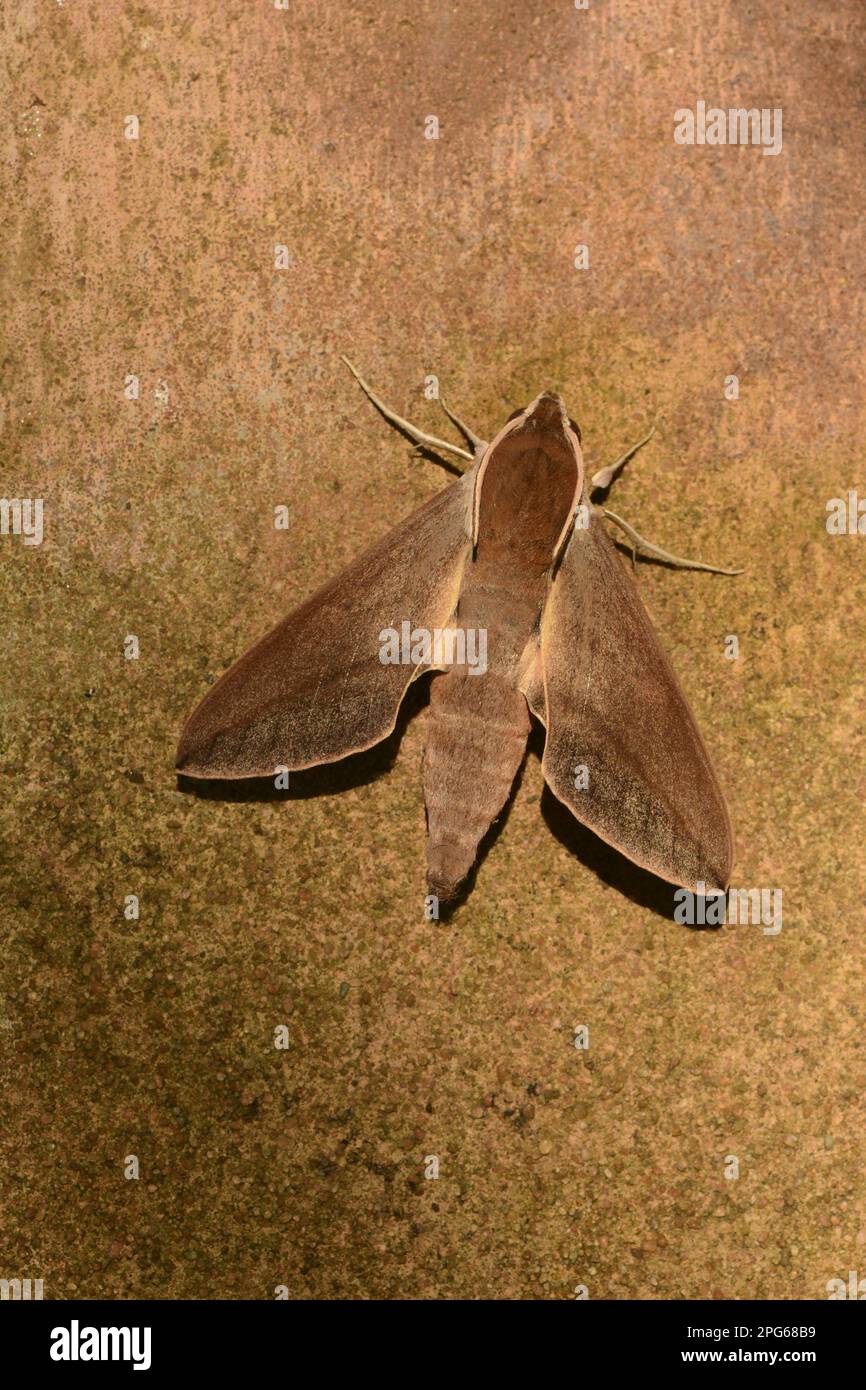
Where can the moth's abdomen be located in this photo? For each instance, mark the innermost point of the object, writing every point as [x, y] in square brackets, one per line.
[476, 739]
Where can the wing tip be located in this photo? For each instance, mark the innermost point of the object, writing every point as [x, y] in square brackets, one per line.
[188, 758]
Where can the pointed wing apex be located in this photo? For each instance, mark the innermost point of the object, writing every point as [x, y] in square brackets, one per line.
[613, 706]
[314, 688]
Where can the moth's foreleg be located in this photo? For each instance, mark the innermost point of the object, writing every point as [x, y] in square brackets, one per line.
[605, 476]
[418, 437]
[643, 547]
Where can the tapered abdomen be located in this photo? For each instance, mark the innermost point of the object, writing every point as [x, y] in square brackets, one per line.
[479, 722]
[476, 738]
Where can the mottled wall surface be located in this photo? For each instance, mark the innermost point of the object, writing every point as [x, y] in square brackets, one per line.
[154, 1038]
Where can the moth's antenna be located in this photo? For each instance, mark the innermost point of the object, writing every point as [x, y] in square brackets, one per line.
[418, 437]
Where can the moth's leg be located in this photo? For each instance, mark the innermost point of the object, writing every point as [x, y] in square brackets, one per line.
[647, 548]
[418, 437]
[605, 476]
[478, 445]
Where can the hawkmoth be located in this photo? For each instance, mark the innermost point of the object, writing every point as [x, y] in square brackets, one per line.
[515, 549]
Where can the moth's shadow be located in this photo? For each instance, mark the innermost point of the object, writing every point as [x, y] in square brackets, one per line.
[359, 769]
[640, 886]
[329, 779]
[643, 888]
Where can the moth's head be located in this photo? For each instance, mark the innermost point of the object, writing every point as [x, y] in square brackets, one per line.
[547, 411]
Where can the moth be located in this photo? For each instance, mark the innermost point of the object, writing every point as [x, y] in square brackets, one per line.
[511, 561]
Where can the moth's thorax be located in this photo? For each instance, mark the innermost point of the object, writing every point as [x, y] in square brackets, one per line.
[527, 488]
